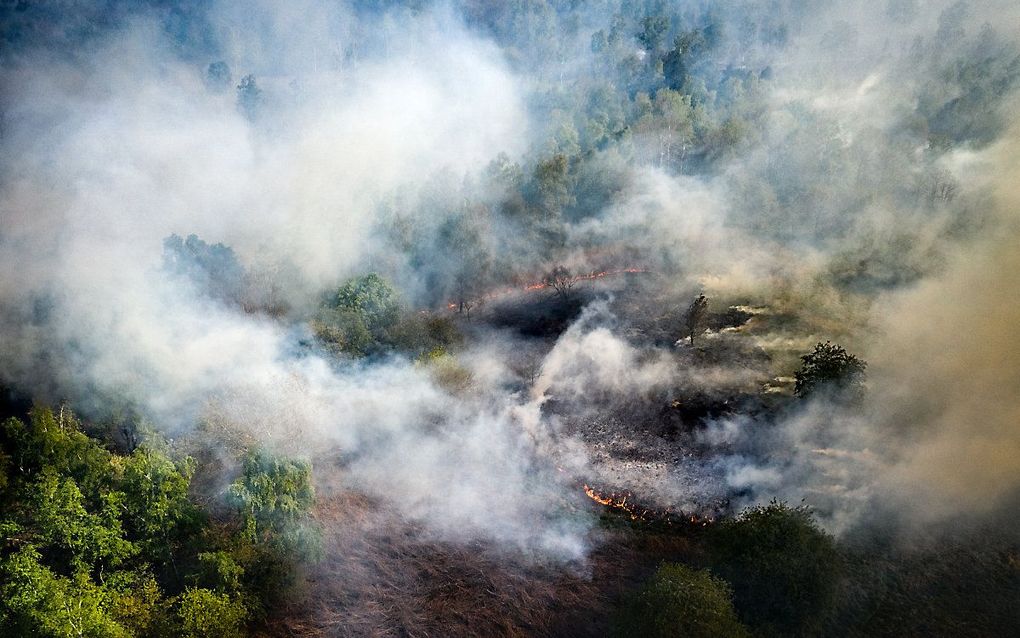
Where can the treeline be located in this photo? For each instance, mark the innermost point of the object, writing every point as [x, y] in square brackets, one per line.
[771, 571]
[647, 90]
[687, 88]
[95, 542]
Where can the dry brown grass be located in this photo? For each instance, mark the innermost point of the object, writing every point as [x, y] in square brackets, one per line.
[382, 576]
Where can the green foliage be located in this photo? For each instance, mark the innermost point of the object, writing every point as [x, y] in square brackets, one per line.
[272, 495]
[365, 317]
[156, 506]
[220, 571]
[552, 184]
[55, 441]
[37, 601]
[206, 614]
[783, 568]
[461, 242]
[212, 268]
[83, 540]
[372, 298]
[445, 370]
[672, 118]
[100, 544]
[680, 602]
[137, 603]
[343, 331]
[653, 32]
[74, 560]
[659, 89]
[830, 367]
[355, 319]
[420, 333]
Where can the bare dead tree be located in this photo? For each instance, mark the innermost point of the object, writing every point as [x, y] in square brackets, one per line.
[560, 280]
[942, 187]
[695, 317]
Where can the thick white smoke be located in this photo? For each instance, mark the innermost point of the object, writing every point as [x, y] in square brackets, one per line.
[106, 158]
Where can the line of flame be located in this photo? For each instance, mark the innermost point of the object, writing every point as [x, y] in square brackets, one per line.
[619, 502]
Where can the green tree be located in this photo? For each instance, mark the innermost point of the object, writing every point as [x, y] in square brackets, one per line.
[213, 268]
[207, 614]
[552, 184]
[90, 540]
[272, 494]
[830, 367]
[461, 246]
[671, 120]
[371, 297]
[94, 543]
[221, 572]
[679, 62]
[35, 601]
[783, 567]
[157, 510]
[419, 333]
[653, 32]
[724, 139]
[680, 602]
[55, 441]
[83, 540]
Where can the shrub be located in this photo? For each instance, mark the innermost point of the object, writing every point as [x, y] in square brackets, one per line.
[680, 602]
[206, 614]
[782, 566]
[830, 367]
[343, 331]
[273, 497]
[372, 298]
[417, 334]
[445, 370]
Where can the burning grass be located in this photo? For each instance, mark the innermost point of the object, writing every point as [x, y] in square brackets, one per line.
[626, 504]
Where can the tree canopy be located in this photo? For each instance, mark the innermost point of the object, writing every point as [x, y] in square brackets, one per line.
[782, 566]
[830, 367]
[679, 601]
[97, 543]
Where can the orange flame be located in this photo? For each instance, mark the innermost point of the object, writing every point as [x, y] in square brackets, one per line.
[619, 502]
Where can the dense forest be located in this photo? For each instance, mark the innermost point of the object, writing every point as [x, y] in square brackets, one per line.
[529, 318]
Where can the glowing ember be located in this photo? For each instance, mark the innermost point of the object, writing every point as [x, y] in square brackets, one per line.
[619, 502]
